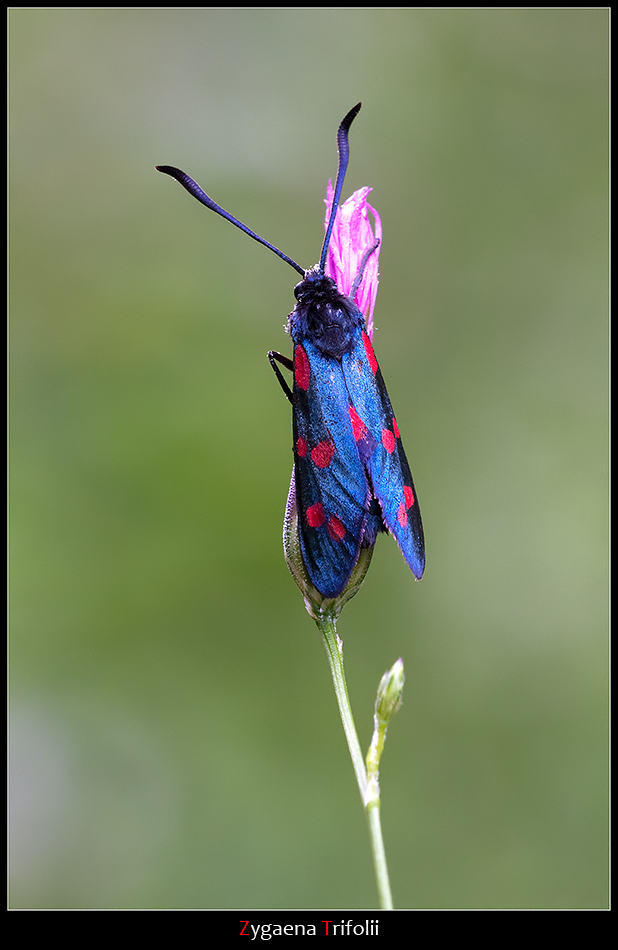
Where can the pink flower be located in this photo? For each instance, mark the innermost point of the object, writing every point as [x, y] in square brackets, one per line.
[352, 236]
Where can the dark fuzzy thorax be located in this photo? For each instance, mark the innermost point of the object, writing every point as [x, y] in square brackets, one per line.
[323, 315]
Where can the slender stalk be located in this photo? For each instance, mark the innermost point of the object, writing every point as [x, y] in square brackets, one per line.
[373, 805]
[334, 650]
[379, 855]
[369, 790]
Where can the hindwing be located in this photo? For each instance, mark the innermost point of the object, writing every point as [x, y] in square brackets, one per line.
[387, 465]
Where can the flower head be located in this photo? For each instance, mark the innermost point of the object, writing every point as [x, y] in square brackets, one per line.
[352, 236]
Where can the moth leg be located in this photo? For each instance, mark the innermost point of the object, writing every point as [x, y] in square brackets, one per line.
[280, 358]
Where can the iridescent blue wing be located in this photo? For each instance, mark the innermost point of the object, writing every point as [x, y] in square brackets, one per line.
[332, 490]
[374, 423]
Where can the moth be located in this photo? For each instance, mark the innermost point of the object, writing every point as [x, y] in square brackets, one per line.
[351, 475]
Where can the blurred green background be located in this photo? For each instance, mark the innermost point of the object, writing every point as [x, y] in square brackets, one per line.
[175, 737]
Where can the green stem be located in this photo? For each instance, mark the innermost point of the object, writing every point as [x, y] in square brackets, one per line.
[334, 651]
[369, 790]
[379, 856]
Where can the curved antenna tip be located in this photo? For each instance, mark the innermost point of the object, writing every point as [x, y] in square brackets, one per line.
[349, 118]
[344, 153]
[194, 189]
[169, 170]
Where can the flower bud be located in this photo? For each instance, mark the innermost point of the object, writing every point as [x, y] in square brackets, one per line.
[390, 689]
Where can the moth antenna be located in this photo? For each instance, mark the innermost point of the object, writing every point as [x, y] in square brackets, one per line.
[343, 149]
[194, 189]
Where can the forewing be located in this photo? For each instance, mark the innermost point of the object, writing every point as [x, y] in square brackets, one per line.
[387, 465]
[332, 490]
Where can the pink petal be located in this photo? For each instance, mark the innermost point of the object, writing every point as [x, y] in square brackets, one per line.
[352, 236]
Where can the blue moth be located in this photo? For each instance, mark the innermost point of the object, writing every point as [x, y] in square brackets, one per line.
[351, 476]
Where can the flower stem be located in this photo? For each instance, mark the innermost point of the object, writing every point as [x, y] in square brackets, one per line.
[369, 790]
[379, 856]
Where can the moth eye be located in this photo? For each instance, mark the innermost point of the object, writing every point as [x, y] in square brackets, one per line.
[298, 290]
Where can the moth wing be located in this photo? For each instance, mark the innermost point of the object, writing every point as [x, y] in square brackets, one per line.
[332, 490]
[386, 463]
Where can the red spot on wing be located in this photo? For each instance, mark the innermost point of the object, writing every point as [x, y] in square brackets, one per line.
[370, 354]
[302, 370]
[322, 454]
[388, 440]
[408, 494]
[358, 426]
[301, 446]
[402, 515]
[315, 515]
[395, 428]
[335, 528]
